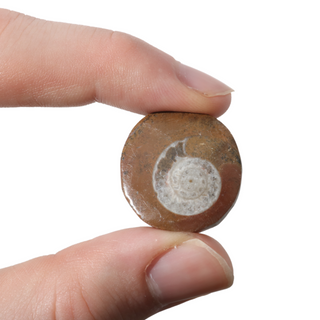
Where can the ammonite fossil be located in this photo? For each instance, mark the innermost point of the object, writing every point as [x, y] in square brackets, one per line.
[181, 171]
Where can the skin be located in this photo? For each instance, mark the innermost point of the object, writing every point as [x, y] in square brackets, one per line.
[54, 64]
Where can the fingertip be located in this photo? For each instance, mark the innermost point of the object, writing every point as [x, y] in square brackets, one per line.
[214, 96]
[197, 103]
[216, 246]
[220, 104]
[189, 270]
[177, 89]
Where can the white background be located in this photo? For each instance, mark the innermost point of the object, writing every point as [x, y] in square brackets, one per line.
[59, 168]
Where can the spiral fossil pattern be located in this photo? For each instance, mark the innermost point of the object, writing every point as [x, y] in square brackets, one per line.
[185, 185]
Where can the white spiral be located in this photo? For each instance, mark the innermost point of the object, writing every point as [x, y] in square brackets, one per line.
[185, 185]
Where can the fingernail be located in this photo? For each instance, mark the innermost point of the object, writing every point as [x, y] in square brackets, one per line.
[201, 82]
[190, 270]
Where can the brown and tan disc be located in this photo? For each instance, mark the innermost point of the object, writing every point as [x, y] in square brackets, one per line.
[181, 171]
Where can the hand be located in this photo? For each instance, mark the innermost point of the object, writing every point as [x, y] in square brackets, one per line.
[129, 274]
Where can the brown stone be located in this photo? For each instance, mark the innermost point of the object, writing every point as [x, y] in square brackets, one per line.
[181, 171]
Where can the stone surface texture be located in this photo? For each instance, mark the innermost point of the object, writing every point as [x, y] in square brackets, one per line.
[181, 171]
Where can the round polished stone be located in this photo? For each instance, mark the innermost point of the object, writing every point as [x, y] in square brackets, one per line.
[181, 171]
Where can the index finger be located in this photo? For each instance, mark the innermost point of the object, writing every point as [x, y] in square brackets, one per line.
[55, 64]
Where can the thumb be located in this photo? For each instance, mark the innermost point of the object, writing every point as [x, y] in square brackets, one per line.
[57, 64]
[129, 274]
